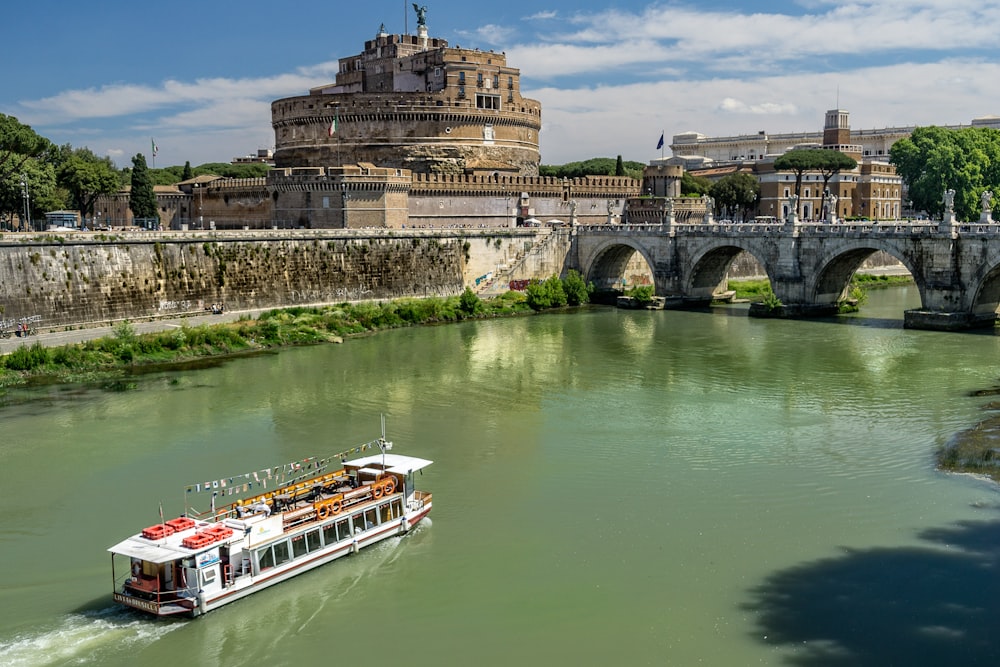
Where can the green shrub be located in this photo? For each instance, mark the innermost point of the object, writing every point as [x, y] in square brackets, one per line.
[28, 358]
[642, 293]
[469, 303]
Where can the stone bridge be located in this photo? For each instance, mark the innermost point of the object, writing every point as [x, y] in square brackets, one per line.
[956, 267]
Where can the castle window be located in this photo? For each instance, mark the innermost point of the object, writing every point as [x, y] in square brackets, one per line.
[487, 101]
[510, 82]
[496, 80]
[461, 90]
[479, 79]
[461, 77]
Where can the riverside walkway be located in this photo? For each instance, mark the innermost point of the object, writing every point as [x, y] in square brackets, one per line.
[55, 338]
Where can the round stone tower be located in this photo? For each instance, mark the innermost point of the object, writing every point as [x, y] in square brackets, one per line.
[412, 102]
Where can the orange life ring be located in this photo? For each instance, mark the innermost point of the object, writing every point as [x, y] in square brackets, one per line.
[377, 492]
[390, 485]
[323, 511]
[335, 507]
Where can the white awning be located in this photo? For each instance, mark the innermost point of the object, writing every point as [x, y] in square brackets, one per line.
[397, 464]
[145, 550]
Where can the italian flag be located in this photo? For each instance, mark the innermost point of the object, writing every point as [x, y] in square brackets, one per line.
[156, 148]
[333, 128]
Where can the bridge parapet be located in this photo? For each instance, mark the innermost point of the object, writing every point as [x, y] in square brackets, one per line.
[901, 228]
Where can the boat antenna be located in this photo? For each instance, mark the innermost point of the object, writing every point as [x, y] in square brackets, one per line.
[383, 444]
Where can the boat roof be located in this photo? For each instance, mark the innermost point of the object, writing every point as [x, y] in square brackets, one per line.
[394, 463]
[147, 551]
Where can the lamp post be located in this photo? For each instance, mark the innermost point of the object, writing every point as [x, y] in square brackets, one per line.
[201, 218]
[27, 201]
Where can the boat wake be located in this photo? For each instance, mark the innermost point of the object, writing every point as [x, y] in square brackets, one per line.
[82, 638]
[381, 555]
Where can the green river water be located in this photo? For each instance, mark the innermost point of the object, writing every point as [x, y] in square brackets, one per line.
[610, 488]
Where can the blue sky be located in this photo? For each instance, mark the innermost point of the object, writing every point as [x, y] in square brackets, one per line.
[199, 77]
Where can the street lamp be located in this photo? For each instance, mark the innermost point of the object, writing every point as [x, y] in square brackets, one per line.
[201, 218]
[27, 201]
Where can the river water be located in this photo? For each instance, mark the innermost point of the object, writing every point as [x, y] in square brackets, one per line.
[611, 487]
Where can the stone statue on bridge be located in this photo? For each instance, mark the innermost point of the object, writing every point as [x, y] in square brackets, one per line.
[948, 217]
[793, 209]
[709, 202]
[949, 201]
[830, 200]
[986, 199]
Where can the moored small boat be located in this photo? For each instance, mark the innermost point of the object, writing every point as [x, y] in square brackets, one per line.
[194, 564]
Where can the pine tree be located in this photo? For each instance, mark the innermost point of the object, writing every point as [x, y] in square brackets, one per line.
[187, 174]
[619, 167]
[142, 199]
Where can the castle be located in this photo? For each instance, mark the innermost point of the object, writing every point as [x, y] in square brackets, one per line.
[413, 133]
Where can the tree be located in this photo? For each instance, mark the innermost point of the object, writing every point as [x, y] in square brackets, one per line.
[934, 159]
[619, 167]
[469, 303]
[142, 199]
[577, 291]
[598, 166]
[835, 163]
[43, 194]
[738, 193]
[548, 294]
[827, 162]
[18, 144]
[86, 177]
[187, 174]
[694, 186]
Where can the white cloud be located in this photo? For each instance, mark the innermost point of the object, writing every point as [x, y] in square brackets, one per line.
[544, 15]
[491, 34]
[731, 105]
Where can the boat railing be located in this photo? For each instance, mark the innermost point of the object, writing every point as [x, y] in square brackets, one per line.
[143, 593]
[420, 499]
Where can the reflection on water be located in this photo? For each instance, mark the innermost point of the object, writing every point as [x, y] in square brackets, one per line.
[626, 487]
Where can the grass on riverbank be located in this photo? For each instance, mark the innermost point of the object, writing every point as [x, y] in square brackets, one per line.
[116, 355]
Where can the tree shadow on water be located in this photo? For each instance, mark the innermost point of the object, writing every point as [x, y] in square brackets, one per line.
[934, 605]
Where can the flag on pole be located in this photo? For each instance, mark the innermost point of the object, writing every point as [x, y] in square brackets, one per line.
[659, 144]
[333, 127]
[156, 148]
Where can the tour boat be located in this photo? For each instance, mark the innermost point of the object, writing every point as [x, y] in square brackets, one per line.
[194, 564]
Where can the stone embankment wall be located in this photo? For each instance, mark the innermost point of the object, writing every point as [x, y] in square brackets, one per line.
[79, 279]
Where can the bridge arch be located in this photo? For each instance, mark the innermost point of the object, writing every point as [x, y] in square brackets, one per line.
[832, 276]
[609, 261]
[986, 282]
[710, 267]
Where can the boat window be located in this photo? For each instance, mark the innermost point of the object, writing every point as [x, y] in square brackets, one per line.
[265, 559]
[343, 530]
[207, 576]
[299, 546]
[397, 508]
[312, 540]
[385, 512]
[370, 519]
[281, 554]
[330, 533]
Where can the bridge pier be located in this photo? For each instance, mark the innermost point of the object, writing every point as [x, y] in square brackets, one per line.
[932, 320]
